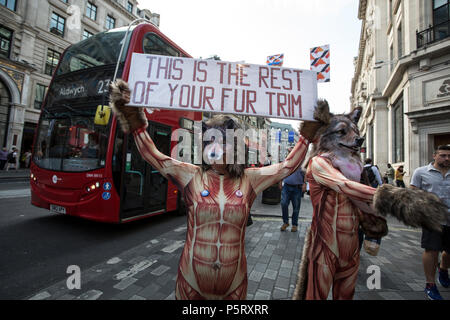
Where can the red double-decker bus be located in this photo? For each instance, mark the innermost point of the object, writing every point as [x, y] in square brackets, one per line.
[82, 164]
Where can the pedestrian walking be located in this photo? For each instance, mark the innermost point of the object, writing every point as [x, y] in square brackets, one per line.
[12, 159]
[390, 174]
[27, 158]
[435, 178]
[3, 158]
[291, 191]
[268, 161]
[399, 173]
[373, 174]
[370, 176]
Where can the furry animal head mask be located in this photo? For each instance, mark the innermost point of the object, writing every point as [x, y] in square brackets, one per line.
[216, 147]
[339, 132]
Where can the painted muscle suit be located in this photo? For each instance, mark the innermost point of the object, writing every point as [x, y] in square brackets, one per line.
[213, 262]
[341, 204]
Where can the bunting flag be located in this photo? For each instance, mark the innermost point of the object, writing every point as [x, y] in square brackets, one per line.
[320, 62]
[275, 60]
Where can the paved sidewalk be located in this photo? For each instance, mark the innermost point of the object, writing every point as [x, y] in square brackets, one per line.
[149, 270]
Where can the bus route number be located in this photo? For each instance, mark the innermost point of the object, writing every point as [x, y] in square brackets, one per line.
[103, 86]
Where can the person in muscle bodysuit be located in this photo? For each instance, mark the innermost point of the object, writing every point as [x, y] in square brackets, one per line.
[341, 204]
[218, 198]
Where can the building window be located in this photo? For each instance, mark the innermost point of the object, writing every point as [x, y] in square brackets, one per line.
[57, 24]
[87, 34]
[39, 97]
[441, 19]
[52, 61]
[91, 11]
[399, 41]
[110, 22]
[5, 42]
[130, 7]
[398, 132]
[10, 4]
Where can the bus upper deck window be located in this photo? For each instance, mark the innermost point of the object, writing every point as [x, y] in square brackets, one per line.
[153, 44]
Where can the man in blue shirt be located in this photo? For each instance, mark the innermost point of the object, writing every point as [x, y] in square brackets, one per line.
[435, 178]
[292, 191]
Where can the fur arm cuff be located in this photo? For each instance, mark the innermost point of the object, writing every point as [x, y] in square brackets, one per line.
[413, 207]
[130, 118]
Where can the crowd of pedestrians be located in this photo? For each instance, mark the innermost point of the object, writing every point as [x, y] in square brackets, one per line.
[9, 160]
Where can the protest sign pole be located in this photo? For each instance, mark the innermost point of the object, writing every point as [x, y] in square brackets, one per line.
[124, 41]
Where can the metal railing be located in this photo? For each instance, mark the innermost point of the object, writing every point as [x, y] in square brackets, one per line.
[433, 33]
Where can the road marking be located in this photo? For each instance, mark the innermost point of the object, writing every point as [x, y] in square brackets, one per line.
[135, 269]
[90, 295]
[160, 270]
[41, 296]
[180, 229]
[17, 193]
[174, 246]
[114, 260]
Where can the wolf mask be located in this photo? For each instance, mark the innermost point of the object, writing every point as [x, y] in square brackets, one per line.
[339, 139]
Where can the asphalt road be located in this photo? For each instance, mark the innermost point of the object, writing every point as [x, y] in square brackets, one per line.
[37, 246]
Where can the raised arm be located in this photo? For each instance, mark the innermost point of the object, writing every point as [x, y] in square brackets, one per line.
[324, 173]
[134, 121]
[180, 173]
[262, 178]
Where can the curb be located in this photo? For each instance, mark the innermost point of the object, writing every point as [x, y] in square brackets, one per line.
[14, 178]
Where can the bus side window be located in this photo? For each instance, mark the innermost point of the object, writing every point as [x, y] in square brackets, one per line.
[153, 44]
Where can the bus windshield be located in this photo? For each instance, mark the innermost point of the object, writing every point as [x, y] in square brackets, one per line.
[69, 140]
[98, 50]
[68, 137]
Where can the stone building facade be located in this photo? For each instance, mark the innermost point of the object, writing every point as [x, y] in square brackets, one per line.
[402, 80]
[34, 33]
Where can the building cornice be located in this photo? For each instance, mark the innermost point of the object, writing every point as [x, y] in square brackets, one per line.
[49, 37]
[16, 65]
[436, 112]
[362, 9]
[362, 42]
[432, 51]
[361, 50]
[122, 9]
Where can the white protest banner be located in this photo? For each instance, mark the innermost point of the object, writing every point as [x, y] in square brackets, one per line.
[224, 87]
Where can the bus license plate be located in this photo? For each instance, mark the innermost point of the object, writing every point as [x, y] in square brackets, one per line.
[57, 209]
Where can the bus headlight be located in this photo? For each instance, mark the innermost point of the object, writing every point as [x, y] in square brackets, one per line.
[93, 186]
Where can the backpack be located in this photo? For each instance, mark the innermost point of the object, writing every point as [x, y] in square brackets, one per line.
[10, 157]
[371, 176]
